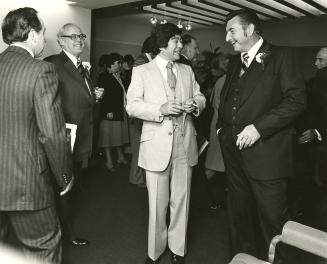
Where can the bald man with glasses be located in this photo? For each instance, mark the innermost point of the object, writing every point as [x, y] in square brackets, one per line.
[79, 97]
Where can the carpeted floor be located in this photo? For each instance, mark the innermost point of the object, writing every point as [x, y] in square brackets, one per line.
[113, 215]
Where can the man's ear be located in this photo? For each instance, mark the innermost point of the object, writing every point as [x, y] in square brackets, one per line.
[32, 36]
[250, 30]
[60, 41]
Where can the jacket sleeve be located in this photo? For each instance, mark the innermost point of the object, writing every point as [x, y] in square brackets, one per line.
[198, 97]
[51, 124]
[293, 98]
[136, 106]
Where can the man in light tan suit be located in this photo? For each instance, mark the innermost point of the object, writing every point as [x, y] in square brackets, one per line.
[165, 95]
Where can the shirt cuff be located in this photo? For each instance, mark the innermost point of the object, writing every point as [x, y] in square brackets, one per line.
[319, 137]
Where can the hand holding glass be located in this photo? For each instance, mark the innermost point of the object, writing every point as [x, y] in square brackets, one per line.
[171, 107]
[189, 106]
[98, 93]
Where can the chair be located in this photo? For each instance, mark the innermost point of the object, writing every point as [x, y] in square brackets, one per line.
[294, 234]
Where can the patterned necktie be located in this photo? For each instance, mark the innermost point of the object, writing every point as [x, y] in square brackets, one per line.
[245, 58]
[80, 67]
[171, 77]
[86, 77]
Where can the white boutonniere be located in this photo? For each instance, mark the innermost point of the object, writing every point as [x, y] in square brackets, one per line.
[261, 57]
[86, 65]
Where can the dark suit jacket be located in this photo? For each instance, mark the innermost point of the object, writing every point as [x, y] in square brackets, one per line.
[273, 95]
[141, 59]
[77, 101]
[184, 60]
[32, 132]
[319, 102]
[113, 99]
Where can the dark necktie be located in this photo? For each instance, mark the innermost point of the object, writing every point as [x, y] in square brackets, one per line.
[171, 77]
[85, 76]
[245, 58]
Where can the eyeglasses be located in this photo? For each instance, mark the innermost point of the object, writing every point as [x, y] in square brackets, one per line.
[75, 37]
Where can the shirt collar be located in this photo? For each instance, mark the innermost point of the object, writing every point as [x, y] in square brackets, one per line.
[184, 56]
[148, 56]
[253, 51]
[71, 57]
[161, 62]
[23, 47]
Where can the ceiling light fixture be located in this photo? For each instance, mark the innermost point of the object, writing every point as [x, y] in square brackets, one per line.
[153, 19]
[164, 20]
[179, 23]
[188, 26]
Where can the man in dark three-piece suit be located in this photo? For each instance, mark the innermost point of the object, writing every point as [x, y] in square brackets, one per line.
[78, 98]
[262, 95]
[33, 149]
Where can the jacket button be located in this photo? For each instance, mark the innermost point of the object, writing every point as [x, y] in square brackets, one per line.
[170, 133]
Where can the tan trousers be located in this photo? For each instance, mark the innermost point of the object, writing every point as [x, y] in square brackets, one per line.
[169, 188]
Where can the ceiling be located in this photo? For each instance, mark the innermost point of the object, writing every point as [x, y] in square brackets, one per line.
[207, 12]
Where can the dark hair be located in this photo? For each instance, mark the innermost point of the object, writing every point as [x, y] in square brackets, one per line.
[187, 39]
[149, 44]
[246, 17]
[112, 58]
[18, 23]
[129, 59]
[163, 33]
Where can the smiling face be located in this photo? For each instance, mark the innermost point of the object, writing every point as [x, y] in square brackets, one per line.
[74, 47]
[240, 36]
[173, 49]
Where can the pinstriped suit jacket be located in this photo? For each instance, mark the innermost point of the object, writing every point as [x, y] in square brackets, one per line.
[33, 145]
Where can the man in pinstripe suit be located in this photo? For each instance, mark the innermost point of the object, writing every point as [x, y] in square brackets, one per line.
[33, 149]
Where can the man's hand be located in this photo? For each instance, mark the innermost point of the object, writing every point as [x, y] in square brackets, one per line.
[171, 108]
[68, 187]
[247, 137]
[98, 93]
[110, 115]
[307, 136]
[189, 106]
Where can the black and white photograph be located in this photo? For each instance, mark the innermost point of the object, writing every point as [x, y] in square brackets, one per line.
[163, 132]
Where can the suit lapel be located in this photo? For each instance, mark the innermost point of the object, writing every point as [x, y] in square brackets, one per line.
[161, 85]
[73, 71]
[253, 75]
[183, 91]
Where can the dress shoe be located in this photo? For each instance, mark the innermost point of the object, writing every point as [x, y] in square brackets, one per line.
[175, 259]
[111, 168]
[150, 261]
[79, 242]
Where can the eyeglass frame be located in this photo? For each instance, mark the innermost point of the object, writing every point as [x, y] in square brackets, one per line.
[75, 37]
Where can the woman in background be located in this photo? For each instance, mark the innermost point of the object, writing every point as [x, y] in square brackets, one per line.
[214, 164]
[113, 131]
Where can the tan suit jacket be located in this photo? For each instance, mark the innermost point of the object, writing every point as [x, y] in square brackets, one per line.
[146, 94]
